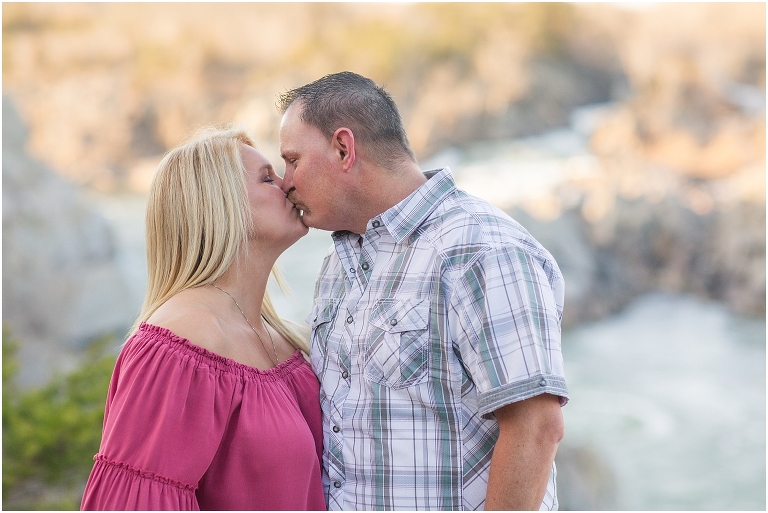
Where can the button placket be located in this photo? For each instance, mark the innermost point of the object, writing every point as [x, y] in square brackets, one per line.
[367, 257]
[358, 263]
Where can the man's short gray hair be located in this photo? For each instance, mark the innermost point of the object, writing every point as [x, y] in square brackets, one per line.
[350, 100]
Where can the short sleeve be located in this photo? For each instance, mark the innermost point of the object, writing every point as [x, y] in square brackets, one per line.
[504, 317]
[164, 419]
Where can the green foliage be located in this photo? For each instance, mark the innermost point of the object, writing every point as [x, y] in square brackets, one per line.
[50, 434]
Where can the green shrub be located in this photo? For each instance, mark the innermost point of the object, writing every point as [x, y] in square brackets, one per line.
[50, 434]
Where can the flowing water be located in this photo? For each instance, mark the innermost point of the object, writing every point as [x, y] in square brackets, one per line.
[671, 392]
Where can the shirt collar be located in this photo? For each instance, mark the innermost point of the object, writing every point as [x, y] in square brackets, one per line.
[403, 219]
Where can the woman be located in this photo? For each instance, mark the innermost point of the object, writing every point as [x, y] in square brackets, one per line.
[211, 404]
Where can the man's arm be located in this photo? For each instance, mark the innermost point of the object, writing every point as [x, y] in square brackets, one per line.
[529, 432]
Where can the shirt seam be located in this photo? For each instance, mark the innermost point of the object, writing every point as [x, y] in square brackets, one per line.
[144, 474]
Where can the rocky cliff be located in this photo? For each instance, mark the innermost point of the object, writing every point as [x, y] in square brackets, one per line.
[106, 88]
[641, 246]
[61, 286]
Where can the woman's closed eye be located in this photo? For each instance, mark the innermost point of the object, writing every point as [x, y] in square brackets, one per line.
[269, 175]
[272, 178]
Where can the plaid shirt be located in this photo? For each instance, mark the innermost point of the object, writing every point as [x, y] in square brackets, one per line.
[445, 310]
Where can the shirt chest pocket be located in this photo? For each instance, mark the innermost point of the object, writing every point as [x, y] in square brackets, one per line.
[397, 348]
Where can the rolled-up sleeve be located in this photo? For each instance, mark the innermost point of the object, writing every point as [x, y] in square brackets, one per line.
[504, 317]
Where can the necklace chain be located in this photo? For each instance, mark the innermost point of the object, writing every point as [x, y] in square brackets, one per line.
[252, 328]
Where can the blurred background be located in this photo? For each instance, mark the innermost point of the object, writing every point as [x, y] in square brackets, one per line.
[628, 138]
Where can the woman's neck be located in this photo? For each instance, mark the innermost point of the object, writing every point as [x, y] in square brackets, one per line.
[246, 281]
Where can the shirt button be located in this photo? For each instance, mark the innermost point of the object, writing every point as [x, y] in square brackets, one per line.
[352, 270]
[350, 320]
[542, 382]
[364, 265]
[376, 224]
[393, 322]
[337, 484]
[345, 374]
[315, 319]
[336, 429]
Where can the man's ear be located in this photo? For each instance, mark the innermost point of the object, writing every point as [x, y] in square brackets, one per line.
[344, 145]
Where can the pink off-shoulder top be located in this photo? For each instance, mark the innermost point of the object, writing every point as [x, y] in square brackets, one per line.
[187, 429]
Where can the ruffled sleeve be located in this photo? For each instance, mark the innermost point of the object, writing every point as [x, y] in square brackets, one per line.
[166, 412]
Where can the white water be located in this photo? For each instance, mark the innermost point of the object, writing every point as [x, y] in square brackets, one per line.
[671, 393]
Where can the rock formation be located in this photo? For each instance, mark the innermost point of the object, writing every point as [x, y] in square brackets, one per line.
[638, 246]
[61, 287]
[459, 72]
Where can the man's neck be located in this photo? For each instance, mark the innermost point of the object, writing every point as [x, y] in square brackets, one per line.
[383, 189]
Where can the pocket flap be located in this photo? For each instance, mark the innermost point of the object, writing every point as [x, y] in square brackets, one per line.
[324, 310]
[398, 315]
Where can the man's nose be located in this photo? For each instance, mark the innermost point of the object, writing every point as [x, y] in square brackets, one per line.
[287, 184]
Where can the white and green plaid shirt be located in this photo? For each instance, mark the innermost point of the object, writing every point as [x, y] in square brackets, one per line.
[443, 311]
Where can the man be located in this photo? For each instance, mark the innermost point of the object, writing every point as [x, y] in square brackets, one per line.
[436, 325]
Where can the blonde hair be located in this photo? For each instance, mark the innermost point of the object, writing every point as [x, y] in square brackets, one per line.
[198, 220]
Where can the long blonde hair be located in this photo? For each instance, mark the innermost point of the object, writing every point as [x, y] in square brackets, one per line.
[197, 221]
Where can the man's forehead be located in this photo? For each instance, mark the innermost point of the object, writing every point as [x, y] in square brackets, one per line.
[291, 117]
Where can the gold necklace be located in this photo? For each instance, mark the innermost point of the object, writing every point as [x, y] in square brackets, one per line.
[277, 361]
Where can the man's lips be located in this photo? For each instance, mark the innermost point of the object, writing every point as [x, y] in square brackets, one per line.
[296, 204]
[299, 208]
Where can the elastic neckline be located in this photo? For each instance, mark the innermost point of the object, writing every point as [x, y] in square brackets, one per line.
[176, 342]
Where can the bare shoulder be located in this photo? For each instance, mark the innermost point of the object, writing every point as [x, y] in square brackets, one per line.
[188, 314]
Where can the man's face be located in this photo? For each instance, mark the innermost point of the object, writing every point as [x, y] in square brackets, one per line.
[310, 165]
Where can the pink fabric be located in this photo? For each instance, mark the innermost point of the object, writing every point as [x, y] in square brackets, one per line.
[187, 429]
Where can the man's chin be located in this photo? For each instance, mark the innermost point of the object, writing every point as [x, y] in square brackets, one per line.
[305, 218]
[311, 221]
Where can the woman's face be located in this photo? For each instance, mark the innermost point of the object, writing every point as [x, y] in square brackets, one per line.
[275, 219]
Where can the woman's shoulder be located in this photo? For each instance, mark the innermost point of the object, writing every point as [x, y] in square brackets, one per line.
[187, 324]
[188, 316]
